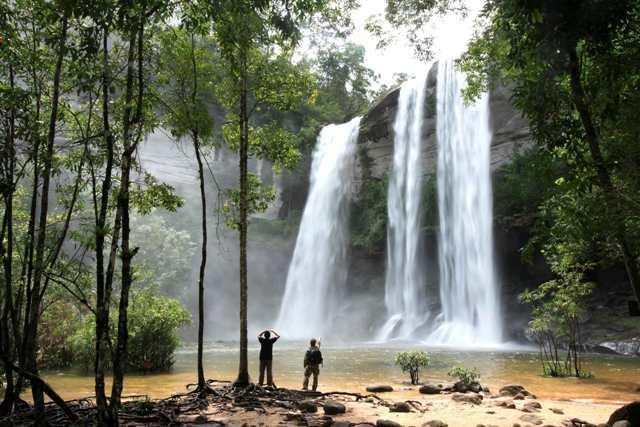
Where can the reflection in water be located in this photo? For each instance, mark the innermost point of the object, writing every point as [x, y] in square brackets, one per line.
[351, 368]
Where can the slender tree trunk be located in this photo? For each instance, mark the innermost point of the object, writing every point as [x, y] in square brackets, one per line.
[202, 385]
[102, 296]
[34, 312]
[8, 329]
[243, 369]
[203, 263]
[603, 175]
[127, 253]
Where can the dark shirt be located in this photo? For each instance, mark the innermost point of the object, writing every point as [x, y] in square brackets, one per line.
[266, 347]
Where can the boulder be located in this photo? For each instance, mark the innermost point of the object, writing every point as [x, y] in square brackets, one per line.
[400, 407]
[512, 390]
[387, 423]
[331, 407]
[557, 411]
[308, 406]
[532, 406]
[630, 412]
[530, 418]
[379, 388]
[462, 387]
[435, 423]
[430, 389]
[473, 398]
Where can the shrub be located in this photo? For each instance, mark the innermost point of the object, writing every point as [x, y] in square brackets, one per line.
[411, 362]
[154, 321]
[465, 375]
[58, 323]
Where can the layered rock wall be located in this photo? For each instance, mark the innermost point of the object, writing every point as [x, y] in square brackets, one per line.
[510, 132]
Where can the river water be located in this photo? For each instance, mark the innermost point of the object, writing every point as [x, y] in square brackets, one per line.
[351, 368]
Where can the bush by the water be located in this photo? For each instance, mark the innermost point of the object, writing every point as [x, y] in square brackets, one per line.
[411, 362]
[467, 376]
[154, 321]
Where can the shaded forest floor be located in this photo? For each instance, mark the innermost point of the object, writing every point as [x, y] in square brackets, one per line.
[258, 406]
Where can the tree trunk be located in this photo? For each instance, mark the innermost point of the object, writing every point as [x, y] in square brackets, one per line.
[35, 297]
[243, 369]
[102, 296]
[7, 329]
[203, 263]
[127, 253]
[614, 204]
[202, 385]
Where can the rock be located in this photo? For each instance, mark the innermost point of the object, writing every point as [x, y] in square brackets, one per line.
[461, 387]
[506, 404]
[518, 396]
[623, 423]
[387, 423]
[193, 419]
[435, 423]
[400, 407]
[510, 132]
[379, 388]
[629, 347]
[532, 406]
[308, 406]
[630, 412]
[557, 411]
[430, 389]
[473, 398]
[331, 407]
[341, 424]
[511, 390]
[577, 422]
[530, 418]
[516, 425]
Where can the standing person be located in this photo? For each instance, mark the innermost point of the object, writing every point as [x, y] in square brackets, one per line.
[312, 362]
[266, 354]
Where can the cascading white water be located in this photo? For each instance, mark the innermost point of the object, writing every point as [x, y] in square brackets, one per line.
[468, 287]
[404, 282]
[318, 270]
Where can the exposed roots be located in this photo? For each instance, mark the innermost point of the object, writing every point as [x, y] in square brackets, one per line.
[197, 405]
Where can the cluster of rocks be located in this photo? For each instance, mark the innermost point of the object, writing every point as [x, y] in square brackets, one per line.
[511, 396]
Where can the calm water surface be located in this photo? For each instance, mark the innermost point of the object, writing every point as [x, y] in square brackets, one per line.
[615, 379]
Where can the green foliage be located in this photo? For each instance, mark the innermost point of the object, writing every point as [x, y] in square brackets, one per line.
[412, 362]
[467, 376]
[590, 214]
[153, 195]
[164, 260]
[558, 308]
[369, 216]
[153, 333]
[185, 83]
[59, 322]
[258, 199]
[410, 19]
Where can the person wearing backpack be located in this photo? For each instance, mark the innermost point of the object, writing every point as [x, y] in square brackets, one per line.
[312, 362]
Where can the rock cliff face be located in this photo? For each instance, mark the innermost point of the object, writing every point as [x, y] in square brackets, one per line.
[510, 132]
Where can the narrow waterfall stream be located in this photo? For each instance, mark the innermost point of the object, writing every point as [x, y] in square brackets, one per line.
[318, 269]
[468, 287]
[405, 277]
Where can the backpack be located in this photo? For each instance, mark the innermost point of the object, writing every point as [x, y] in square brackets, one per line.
[314, 356]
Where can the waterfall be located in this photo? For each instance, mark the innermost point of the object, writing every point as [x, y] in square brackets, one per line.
[404, 282]
[318, 270]
[468, 288]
